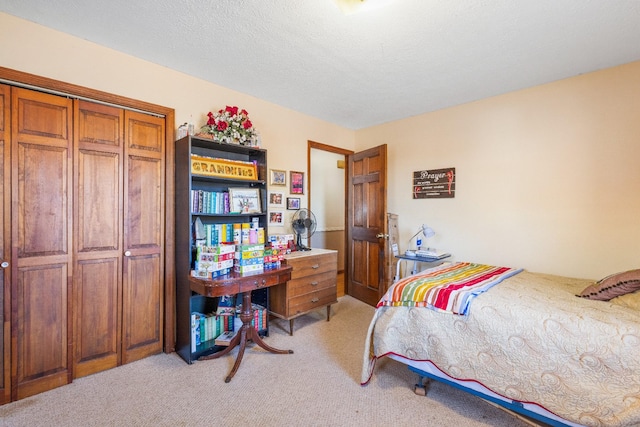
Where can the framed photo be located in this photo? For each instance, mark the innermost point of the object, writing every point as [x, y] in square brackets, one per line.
[244, 200]
[293, 203]
[276, 218]
[276, 199]
[296, 182]
[278, 177]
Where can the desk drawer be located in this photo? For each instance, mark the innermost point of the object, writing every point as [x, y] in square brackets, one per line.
[311, 301]
[247, 284]
[306, 266]
[316, 282]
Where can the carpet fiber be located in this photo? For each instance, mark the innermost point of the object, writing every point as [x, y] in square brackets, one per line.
[318, 385]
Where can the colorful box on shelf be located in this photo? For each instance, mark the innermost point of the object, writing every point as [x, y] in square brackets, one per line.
[220, 249]
[243, 269]
[223, 168]
[249, 261]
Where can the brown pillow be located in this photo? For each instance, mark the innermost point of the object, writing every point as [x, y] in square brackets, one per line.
[613, 286]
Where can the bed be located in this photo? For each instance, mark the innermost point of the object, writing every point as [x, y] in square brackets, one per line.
[560, 350]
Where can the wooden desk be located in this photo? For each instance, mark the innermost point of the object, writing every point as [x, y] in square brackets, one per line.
[235, 283]
[312, 285]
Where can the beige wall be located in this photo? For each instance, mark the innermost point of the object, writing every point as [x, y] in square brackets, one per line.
[548, 178]
[28, 47]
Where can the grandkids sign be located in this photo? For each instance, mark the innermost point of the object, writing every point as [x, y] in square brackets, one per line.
[434, 184]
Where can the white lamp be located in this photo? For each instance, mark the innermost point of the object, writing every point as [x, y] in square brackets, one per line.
[426, 232]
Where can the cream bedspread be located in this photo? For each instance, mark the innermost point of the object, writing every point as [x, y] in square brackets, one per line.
[529, 339]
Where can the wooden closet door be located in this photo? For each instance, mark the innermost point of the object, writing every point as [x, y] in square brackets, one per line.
[98, 218]
[41, 241]
[143, 263]
[5, 247]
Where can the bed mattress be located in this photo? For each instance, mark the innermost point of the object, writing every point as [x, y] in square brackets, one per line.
[529, 339]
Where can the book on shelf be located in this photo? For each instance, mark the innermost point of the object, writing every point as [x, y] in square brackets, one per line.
[224, 339]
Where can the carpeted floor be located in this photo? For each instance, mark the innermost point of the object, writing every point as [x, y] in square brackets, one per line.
[318, 385]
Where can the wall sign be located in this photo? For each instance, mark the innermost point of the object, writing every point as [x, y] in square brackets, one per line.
[434, 184]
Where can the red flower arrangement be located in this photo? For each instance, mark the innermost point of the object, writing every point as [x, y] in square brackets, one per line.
[232, 126]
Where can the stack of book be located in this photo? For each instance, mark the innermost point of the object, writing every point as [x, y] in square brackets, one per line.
[210, 202]
[260, 316]
[207, 327]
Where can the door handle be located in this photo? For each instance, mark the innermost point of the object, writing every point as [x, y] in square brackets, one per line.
[127, 253]
[382, 236]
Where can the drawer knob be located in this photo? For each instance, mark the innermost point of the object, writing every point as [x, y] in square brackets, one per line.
[315, 266]
[314, 283]
[4, 264]
[315, 300]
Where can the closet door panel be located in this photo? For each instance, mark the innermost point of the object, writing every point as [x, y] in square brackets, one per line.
[143, 264]
[41, 306]
[43, 200]
[97, 337]
[142, 309]
[5, 247]
[98, 238]
[41, 241]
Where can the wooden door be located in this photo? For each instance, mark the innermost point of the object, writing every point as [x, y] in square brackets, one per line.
[367, 225]
[5, 246]
[143, 263]
[98, 219]
[41, 241]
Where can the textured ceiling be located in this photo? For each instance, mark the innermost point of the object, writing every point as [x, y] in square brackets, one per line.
[363, 69]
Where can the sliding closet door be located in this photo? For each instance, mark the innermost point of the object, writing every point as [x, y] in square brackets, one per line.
[41, 241]
[98, 195]
[5, 246]
[143, 262]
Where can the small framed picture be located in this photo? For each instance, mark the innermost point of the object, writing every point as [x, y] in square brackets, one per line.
[278, 177]
[293, 203]
[276, 199]
[296, 182]
[244, 200]
[276, 218]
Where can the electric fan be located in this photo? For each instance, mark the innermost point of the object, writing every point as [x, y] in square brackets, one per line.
[303, 223]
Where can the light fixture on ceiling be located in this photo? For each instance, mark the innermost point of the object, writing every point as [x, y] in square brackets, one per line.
[349, 7]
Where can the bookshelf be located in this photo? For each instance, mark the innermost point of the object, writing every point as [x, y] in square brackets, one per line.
[220, 167]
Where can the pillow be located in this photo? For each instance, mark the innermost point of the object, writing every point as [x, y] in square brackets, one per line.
[613, 286]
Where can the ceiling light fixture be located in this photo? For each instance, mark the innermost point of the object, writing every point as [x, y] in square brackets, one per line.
[349, 7]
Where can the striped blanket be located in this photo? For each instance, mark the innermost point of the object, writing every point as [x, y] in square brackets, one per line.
[450, 287]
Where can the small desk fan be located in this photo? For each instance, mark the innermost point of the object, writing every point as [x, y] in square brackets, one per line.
[304, 224]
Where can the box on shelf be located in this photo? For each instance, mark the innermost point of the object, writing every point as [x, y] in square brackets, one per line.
[223, 168]
[213, 261]
[243, 269]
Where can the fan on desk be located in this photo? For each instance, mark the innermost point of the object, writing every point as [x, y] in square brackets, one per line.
[304, 224]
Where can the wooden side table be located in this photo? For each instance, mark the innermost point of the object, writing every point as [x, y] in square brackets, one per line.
[233, 284]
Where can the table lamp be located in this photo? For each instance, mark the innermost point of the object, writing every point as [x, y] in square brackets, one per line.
[426, 232]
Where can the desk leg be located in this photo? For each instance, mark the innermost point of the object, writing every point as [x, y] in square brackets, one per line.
[246, 332]
[415, 267]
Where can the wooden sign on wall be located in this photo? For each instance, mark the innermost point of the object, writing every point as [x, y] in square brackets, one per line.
[434, 184]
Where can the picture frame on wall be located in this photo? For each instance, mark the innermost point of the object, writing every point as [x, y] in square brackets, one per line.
[293, 203]
[278, 177]
[276, 199]
[296, 182]
[276, 218]
[244, 200]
